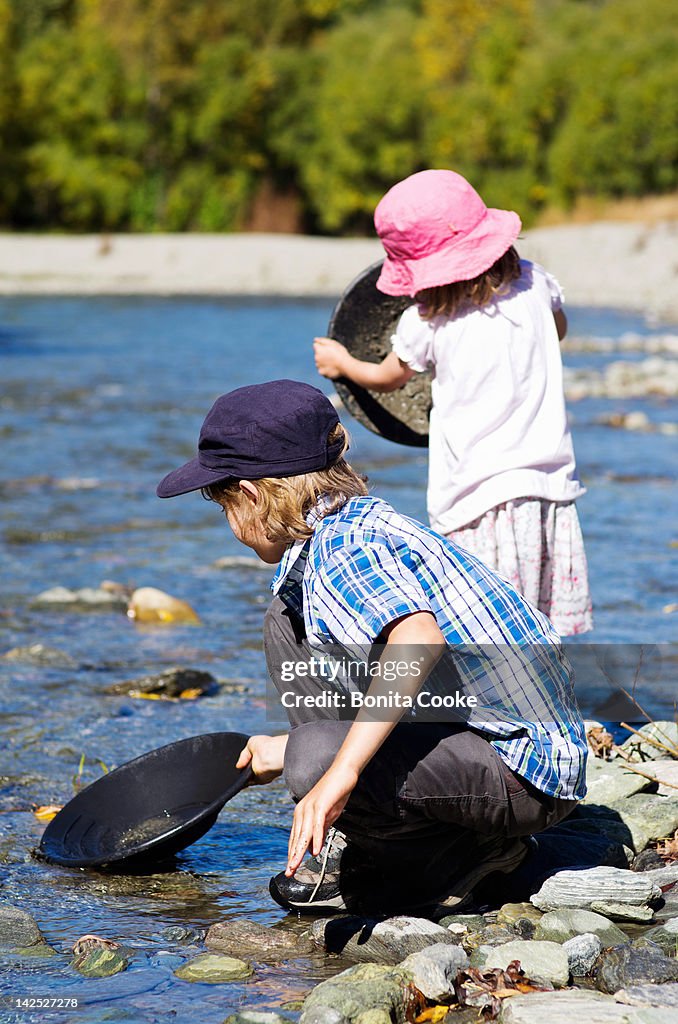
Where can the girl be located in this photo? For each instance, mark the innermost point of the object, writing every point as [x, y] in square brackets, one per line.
[502, 476]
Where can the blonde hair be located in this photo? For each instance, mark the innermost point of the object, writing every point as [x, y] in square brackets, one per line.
[284, 503]
[449, 299]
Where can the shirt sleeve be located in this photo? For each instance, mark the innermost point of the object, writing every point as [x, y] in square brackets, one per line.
[552, 286]
[360, 589]
[413, 340]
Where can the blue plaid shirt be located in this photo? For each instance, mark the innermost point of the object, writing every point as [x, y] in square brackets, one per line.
[366, 566]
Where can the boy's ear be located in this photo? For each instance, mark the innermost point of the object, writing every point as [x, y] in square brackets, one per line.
[249, 490]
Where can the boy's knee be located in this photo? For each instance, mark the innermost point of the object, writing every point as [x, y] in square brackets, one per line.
[311, 749]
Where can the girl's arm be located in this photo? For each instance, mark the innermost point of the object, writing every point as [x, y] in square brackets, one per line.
[419, 641]
[561, 323]
[333, 360]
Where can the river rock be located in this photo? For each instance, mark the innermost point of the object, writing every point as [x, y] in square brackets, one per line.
[609, 783]
[490, 935]
[639, 747]
[256, 941]
[182, 934]
[384, 992]
[646, 860]
[40, 655]
[577, 1005]
[541, 961]
[510, 913]
[99, 963]
[370, 941]
[582, 952]
[561, 925]
[256, 1017]
[649, 995]
[666, 774]
[173, 682]
[434, 969]
[623, 912]
[149, 605]
[666, 936]
[17, 928]
[633, 964]
[84, 599]
[649, 817]
[578, 889]
[461, 924]
[214, 969]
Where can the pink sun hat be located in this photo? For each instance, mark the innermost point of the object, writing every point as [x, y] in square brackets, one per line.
[436, 229]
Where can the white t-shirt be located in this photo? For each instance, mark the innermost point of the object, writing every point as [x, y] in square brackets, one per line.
[498, 427]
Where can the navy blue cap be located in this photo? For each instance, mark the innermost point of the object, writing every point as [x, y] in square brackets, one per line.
[276, 429]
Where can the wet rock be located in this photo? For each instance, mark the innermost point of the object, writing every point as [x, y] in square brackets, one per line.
[173, 683]
[665, 936]
[578, 889]
[574, 1005]
[382, 992]
[652, 741]
[609, 783]
[149, 605]
[99, 963]
[649, 995]
[633, 964]
[582, 952]
[17, 928]
[434, 969]
[646, 860]
[510, 913]
[623, 912]
[256, 1017]
[179, 933]
[255, 941]
[541, 961]
[214, 969]
[561, 925]
[370, 941]
[40, 655]
[490, 935]
[84, 599]
[461, 924]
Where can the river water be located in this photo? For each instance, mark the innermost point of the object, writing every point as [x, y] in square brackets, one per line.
[99, 398]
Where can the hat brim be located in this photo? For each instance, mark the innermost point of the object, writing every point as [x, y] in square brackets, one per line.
[192, 476]
[461, 259]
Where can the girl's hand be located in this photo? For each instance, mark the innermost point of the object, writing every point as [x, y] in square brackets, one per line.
[319, 809]
[331, 357]
[265, 755]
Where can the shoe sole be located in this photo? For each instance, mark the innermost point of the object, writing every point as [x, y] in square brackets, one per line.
[317, 906]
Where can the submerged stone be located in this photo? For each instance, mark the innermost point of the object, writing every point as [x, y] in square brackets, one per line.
[150, 605]
[214, 969]
[99, 963]
[256, 941]
[17, 928]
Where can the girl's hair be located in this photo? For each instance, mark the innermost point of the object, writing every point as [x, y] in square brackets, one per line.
[284, 503]
[449, 299]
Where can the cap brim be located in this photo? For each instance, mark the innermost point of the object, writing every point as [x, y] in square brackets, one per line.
[192, 476]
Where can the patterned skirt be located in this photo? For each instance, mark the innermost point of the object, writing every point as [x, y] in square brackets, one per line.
[536, 545]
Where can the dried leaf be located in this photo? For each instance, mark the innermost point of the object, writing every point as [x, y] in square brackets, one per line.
[87, 942]
[668, 848]
[601, 743]
[45, 812]
[433, 1014]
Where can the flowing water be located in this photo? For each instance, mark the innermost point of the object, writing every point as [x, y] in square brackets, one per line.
[99, 398]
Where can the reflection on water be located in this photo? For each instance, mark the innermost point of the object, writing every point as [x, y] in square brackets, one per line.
[99, 398]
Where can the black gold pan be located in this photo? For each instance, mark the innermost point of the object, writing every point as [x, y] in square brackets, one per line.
[150, 808]
[364, 320]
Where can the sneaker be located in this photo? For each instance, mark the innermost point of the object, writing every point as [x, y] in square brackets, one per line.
[314, 888]
[491, 854]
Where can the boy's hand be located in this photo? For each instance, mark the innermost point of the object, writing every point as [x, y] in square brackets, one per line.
[319, 809]
[331, 357]
[265, 755]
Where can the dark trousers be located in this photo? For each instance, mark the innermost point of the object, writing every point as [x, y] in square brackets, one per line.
[430, 785]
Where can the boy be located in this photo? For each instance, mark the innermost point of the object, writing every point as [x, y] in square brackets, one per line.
[477, 743]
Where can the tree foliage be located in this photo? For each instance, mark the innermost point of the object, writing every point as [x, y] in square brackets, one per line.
[180, 115]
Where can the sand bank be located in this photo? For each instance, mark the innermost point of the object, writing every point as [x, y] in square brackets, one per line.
[628, 265]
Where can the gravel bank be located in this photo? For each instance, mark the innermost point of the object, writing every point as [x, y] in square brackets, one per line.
[632, 266]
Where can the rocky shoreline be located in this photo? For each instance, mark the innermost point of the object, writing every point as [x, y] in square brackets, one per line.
[592, 928]
[606, 263]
